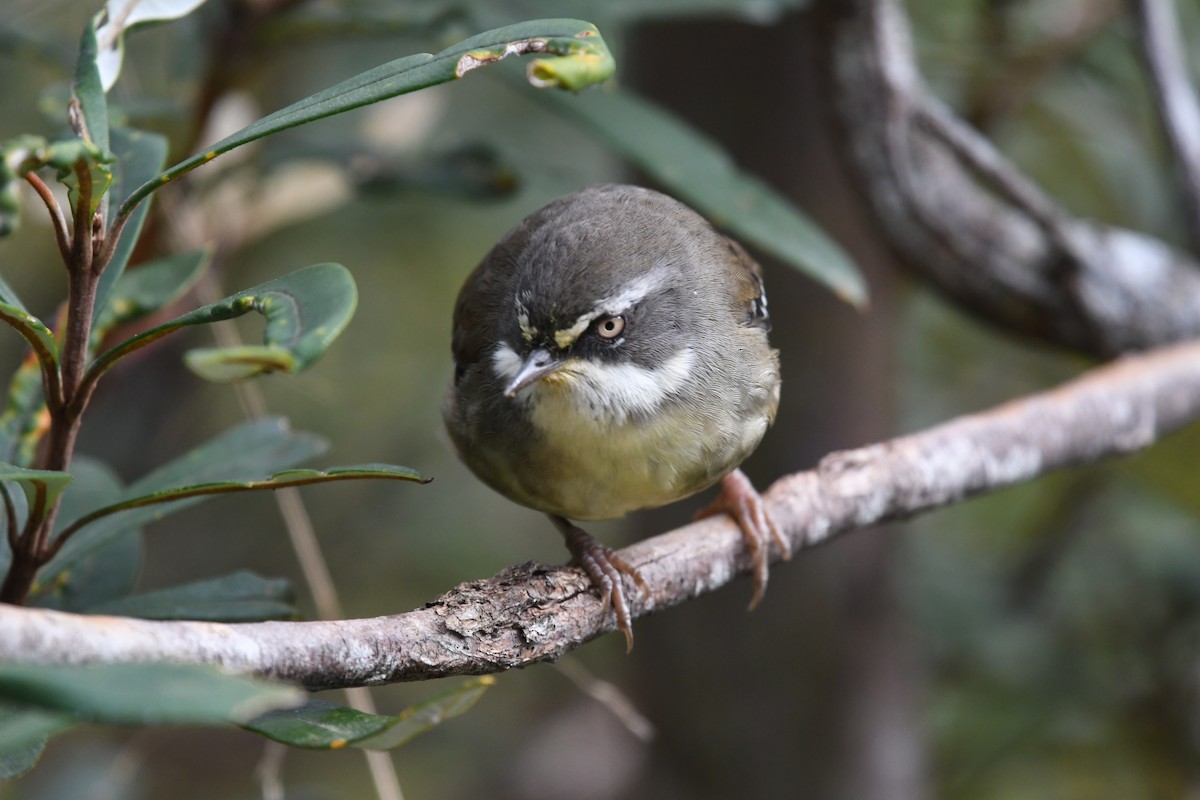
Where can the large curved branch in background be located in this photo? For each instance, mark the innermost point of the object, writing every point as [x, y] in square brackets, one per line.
[956, 211]
[533, 613]
[1165, 57]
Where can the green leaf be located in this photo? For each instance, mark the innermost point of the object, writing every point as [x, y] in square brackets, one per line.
[41, 487]
[73, 156]
[241, 453]
[106, 572]
[139, 157]
[324, 726]
[144, 694]
[88, 89]
[23, 735]
[148, 288]
[699, 172]
[293, 477]
[576, 56]
[239, 597]
[32, 329]
[69, 157]
[305, 311]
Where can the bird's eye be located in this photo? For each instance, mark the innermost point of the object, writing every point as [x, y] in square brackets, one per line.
[610, 327]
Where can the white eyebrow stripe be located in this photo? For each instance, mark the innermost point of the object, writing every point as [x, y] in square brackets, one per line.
[630, 295]
[633, 292]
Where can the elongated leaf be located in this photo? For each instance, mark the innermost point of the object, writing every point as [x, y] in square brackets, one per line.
[106, 572]
[699, 172]
[428, 715]
[305, 312]
[124, 15]
[294, 477]
[32, 329]
[323, 726]
[239, 597]
[88, 89]
[140, 156]
[40, 486]
[577, 56]
[144, 693]
[23, 734]
[148, 288]
[240, 453]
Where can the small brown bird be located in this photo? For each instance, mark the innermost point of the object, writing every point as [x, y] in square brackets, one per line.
[610, 355]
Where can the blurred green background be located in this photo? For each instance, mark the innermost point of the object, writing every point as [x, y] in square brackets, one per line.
[1041, 642]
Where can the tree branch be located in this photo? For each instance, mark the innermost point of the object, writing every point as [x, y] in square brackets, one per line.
[958, 212]
[1166, 65]
[532, 613]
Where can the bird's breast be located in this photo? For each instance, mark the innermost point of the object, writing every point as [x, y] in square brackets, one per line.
[610, 439]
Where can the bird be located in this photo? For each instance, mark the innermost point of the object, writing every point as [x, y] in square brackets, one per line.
[611, 355]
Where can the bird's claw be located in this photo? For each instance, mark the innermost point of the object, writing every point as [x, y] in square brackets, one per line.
[740, 500]
[605, 568]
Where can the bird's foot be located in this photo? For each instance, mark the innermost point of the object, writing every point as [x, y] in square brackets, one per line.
[740, 500]
[604, 567]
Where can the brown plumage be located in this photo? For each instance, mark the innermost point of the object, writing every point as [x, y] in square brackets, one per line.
[611, 354]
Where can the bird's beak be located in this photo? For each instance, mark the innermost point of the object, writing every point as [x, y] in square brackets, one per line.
[538, 364]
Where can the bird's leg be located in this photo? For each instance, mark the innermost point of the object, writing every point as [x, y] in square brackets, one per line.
[604, 567]
[741, 500]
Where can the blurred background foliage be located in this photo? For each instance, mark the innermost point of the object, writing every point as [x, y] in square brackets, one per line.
[1042, 642]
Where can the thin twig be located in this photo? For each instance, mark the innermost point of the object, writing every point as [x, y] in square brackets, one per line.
[269, 771]
[61, 234]
[112, 238]
[1166, 64]
[610, 696]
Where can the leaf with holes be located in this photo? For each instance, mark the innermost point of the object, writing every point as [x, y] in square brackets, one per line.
[574, 56]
